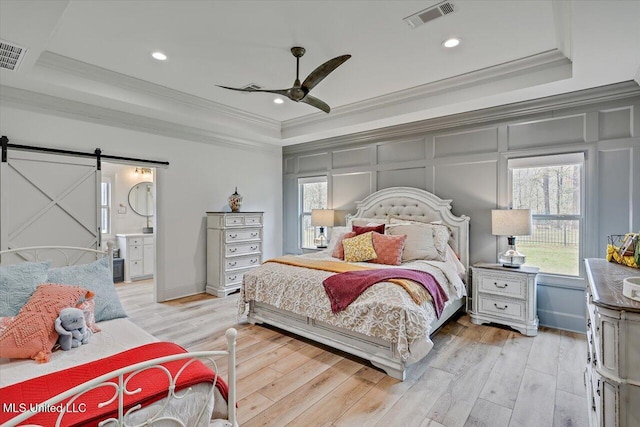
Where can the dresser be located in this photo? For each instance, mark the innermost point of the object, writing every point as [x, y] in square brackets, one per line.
[506, 296]
[138, 252]
[234, 246]
[612, 375]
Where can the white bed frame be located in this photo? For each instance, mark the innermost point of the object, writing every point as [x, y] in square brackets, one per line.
[401, 201]
[69, 255]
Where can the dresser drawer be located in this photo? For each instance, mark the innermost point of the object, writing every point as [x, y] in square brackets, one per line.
[244, 262]
[234, 220]
[135, 268]
[253, 220]
[233, 278]
[502, 308]
[503, 285]
[135, 252]
[243, 249]
[231, 236]
[136, 241]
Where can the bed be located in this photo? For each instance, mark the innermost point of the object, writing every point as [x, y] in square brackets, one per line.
[121, 361]
[383, 325]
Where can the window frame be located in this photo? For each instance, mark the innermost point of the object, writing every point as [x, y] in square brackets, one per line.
[301, 181]
[585, 242]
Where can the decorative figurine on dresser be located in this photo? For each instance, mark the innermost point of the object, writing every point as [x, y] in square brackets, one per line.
[234, 246]
[505, 295]
[612, 375]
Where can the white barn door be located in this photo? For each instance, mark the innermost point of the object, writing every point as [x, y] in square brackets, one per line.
[49, 199]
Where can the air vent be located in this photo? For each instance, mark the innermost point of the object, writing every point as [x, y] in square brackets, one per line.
[11, 55]
[429, 14]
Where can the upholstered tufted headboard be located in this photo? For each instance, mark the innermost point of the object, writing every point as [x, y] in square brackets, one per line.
[410, 203]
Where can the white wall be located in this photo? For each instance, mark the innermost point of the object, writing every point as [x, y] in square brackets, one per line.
[199, 179]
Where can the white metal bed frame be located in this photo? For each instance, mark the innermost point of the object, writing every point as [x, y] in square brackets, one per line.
[38, 253]
[403, 202]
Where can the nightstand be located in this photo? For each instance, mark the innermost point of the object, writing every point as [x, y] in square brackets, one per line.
[506, 296]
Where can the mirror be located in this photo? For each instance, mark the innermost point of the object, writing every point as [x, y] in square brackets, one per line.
[141, 198]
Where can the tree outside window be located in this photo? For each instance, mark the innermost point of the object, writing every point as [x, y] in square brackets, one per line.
[313, 195]
[551, 186]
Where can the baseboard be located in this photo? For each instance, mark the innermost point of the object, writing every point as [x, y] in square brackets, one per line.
[564, 321]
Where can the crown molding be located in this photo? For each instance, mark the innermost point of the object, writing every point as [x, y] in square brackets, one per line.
[504, 112]
[34, 101]
[549, 60]
[94, 73]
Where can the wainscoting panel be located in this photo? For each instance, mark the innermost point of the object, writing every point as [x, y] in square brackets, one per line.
[289, 165]
[347, 189]
[616, 123]
[542, 133]
[468, 142]
[314, 162]
[414, 177]
[401, 151]
[360, 156]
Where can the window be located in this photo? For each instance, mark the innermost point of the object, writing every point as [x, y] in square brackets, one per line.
[551, 186]
[105, 206]
[313, 195]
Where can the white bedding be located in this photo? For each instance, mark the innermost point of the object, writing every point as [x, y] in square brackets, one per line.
[116, 336]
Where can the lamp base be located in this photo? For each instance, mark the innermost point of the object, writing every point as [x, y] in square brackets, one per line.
[512, 259]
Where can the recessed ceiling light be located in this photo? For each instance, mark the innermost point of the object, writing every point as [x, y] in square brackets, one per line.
[452, 42]
[278, 101]
[159, 56]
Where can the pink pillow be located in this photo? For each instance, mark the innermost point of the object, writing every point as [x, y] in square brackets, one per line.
[338, 251]
[32, 334]
[379, 228]
[88, 307]
[388, 248]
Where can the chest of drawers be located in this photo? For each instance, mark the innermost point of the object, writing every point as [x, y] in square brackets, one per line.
[506, 296]
[234, 246]
[612, 373]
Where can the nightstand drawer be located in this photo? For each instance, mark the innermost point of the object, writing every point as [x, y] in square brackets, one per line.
[501, 308]
[503, 285]
[236, 263]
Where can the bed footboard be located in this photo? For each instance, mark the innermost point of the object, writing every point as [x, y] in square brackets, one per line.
[118, 380]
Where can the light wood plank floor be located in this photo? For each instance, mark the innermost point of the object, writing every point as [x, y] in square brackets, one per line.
[474, 376]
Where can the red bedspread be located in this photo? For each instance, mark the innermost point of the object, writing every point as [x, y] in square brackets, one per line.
[154, 384]
[342, 289]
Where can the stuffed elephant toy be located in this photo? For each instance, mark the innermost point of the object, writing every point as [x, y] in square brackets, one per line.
[72, 328]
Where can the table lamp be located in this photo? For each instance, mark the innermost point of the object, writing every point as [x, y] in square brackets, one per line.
[511, 223]
[322, 218]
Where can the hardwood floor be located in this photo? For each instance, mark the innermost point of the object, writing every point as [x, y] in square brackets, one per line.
[474, 376]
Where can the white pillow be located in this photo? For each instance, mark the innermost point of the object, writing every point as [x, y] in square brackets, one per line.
[419, 243]
[336, 234]
[452, 258]
[441, 234]
[361, 222]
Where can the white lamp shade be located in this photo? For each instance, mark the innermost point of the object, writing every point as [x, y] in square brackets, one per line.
[322, 217]
[511, 222]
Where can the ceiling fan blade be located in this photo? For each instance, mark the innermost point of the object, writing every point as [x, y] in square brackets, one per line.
[315, 102]
[323, 71]
[283, 92]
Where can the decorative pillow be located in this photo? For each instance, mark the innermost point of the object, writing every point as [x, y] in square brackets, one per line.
[388, 248]
[419, 243]
[338, 251]
[441, 233]
[335, 236]
[32, 334]
[88, 307]
[96, 277]
[17, 283]
[365, 229]
[359, 248]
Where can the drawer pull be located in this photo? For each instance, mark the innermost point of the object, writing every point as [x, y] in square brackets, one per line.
[233, 236]
[501, 287]
[232, 278]
[500, 308]
[232, 264]
[232, 250]
[253, 261]
[253, 248]
[598, 388]
[588, 323]
[254, 234]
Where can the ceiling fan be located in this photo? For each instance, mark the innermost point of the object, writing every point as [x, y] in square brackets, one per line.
[300, 92]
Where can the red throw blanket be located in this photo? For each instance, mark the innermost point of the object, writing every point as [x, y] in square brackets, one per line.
[342, 289]
[85, 411]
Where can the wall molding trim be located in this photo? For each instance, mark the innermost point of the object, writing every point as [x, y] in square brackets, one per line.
[34, 101]
[503, 112]
[94, 73]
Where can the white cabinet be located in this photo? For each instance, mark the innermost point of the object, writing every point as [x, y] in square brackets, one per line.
[506, 296]
[612, 374]
[138, 253]
[234, 246]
